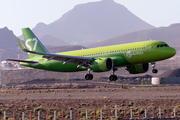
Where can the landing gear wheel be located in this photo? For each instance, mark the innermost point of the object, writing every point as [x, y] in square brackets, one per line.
[115, 77]
[88, 76]
[91, 76]
[155, 71]
[112, 77]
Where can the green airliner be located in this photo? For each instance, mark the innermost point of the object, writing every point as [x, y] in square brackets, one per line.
[134, 56]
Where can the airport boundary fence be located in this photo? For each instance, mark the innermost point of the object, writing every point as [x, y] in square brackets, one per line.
[113, 114]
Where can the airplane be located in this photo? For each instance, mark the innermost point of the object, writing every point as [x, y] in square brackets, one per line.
[134, 56]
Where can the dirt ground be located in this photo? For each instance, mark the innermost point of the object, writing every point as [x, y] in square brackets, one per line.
[147, 97]
[148, 92]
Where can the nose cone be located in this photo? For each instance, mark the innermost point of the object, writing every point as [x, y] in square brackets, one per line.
[171, 52]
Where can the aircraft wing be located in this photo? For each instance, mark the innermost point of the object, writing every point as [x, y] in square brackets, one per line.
[80, 61]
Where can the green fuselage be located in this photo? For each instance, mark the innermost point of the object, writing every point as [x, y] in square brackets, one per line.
[122, 55]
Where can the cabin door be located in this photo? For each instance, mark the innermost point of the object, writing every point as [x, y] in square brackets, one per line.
[148, 46]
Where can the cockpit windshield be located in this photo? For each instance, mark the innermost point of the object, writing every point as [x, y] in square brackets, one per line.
[162, 45]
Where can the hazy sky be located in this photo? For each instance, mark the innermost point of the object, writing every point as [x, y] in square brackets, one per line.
[16, 14]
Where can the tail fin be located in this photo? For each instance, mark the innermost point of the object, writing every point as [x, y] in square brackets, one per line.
[32, 42]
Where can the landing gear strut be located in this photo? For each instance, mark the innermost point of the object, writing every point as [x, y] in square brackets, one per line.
[89, 76]
[113, 77]
[154, 70]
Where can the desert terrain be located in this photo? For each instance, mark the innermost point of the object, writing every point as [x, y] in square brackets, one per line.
[30, 90]
[82, 99]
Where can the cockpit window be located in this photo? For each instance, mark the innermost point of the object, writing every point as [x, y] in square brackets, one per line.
[166, 45]
[162, 45]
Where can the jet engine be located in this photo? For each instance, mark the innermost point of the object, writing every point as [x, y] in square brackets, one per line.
[102, 65]
[138, 68]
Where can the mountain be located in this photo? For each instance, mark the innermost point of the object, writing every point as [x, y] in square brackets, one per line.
[7, 39]
[8, 44]
[53, 41]
[171, 73]
[92, 22]
[58, 49]
[170, 34]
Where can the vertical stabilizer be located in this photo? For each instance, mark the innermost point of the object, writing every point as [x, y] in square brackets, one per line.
[32, 42]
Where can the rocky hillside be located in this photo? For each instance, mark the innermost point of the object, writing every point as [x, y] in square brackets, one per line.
[56, 49]
[167, 34]
[50, 40]
[171, 73]
[8, 44]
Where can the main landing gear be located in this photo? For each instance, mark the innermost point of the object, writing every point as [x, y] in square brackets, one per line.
[113, 77]
[154, 70]
[89, 76]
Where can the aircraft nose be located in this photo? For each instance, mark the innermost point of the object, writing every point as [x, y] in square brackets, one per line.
[171, 52]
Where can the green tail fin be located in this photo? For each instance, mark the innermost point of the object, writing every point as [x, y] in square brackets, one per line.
[32, 42]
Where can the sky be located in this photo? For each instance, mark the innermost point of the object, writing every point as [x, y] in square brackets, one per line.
[17, 14]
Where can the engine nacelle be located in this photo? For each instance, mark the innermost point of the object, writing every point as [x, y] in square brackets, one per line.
[138, 68]
[102, 65]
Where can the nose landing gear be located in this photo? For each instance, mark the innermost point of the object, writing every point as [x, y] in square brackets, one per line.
[154, 70]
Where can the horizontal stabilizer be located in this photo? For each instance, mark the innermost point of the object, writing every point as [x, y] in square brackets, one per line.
[31, 62]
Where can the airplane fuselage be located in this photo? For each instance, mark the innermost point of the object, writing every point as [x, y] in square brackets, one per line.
[122, 55]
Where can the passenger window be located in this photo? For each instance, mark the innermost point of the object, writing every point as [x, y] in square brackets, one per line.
[161, 45]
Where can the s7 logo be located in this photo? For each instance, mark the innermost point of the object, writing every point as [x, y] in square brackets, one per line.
[30, 46]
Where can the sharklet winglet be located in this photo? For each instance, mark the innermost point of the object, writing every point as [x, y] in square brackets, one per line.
[22, 46]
